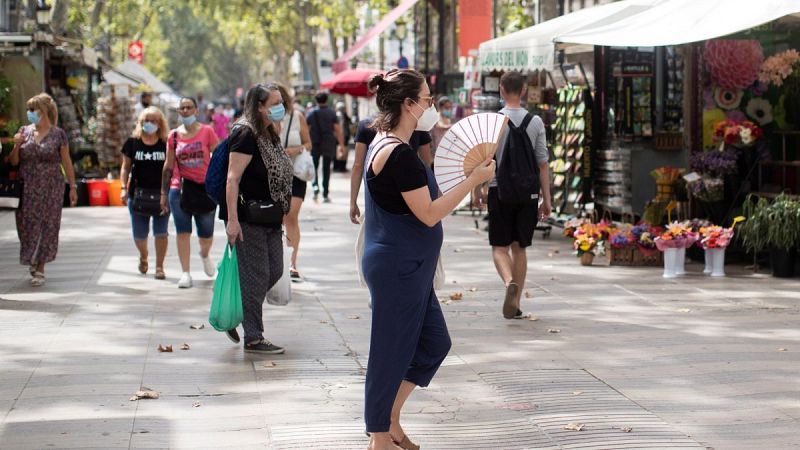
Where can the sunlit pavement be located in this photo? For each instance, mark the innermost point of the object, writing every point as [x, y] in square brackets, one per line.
[638, 361]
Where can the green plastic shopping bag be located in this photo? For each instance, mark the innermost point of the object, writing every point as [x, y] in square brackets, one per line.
[226, 304]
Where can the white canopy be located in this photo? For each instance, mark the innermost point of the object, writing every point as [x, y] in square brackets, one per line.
[675, 22]
[533, 48]
[132, 73]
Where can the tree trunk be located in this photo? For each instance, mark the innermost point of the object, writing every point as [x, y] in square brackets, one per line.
[59, 16]
[334, 47]
[311, 48]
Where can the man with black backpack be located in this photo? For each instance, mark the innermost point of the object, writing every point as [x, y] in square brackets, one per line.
[523, 179]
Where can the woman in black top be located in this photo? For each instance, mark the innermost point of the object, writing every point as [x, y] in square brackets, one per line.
[260, 177]
[402, 241]
[143, 158]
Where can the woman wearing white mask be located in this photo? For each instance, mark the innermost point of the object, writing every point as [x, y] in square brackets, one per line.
[189, 150]
[143, 158]
[402, 240]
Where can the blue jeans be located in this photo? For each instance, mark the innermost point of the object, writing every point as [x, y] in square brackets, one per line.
[183, 221]
[141, 224]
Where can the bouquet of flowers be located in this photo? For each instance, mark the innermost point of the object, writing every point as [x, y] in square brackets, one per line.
[621, 239]
[736, 133]
[715, 236]
[573, 224]
[605, 227]
[644, 237]
[588, 239]
[676, 235]
[778, 67]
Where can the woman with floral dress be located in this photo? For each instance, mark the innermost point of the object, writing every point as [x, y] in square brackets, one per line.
[41, 149]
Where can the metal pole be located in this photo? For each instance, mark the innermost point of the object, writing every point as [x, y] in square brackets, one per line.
[440, 49]
[427, 37]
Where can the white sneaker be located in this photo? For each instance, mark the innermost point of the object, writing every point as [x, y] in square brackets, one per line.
[185, 281]
[208, 266]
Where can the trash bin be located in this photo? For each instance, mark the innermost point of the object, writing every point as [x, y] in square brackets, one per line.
[114, 191]
[98, 192]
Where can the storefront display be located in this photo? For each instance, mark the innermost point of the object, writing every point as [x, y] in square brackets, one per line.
[114, 123]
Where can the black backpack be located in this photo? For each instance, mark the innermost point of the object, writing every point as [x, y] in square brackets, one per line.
[518, 172]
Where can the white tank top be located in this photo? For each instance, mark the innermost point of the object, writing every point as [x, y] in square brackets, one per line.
[293, 132]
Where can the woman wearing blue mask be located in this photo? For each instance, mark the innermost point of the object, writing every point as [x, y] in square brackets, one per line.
[41, 149]
[143, 157]
[444, 123]
[257, 198]
[189, 150]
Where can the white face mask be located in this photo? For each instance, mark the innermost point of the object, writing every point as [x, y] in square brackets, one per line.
[428, 120]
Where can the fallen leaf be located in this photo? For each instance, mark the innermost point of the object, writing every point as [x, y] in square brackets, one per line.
[577, 392]
[162, 349]
[553, 330]
[783, 350]
[574, 426]
[269, 364]
[448, 302]
[185, 346]
[626, 429]
[684, 310]
[458, 250]
[532, 318]
[196, 405]
[473, 289]
[553, 278]
[323, 321]
[354, 317]
[144, 393]
[197, 326]
[556, 251]
[456, 296]
[528, 294]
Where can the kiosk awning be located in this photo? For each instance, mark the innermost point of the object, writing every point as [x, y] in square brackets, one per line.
[342, 64]
[675, 22]
[533, 48]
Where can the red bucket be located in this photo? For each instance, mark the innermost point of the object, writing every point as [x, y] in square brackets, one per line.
[98, 192]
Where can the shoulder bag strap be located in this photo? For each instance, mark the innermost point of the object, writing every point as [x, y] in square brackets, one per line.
[388, 140]
[288, 130]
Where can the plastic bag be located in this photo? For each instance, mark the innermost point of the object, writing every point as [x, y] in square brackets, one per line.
[281, 293]
[226, 303]
[304, 166]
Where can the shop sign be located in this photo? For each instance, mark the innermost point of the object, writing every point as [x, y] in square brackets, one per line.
[512, 59]
[642, 69]
[136, 51]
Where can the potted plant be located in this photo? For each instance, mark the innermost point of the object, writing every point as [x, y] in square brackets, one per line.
[783, 234]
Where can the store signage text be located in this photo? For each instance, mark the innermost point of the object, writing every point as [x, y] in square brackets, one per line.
[512, 59]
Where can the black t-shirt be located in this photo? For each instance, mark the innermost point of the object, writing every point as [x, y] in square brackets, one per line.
[365, 135]
[254, 184]
[320, 124]
[148, 161]
[403, 172]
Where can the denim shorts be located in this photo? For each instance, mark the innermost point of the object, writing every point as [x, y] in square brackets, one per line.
[141, 224]
[183, 221]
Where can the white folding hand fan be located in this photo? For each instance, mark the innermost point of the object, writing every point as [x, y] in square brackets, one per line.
[466, 145]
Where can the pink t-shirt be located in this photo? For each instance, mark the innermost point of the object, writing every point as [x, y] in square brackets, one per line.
[192, 155]
[221, 122]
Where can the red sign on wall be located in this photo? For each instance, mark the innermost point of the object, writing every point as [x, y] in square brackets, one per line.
[476, 24]
[136, 51]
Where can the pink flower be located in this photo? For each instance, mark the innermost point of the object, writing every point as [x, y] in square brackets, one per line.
[778, 67]
[733, 64]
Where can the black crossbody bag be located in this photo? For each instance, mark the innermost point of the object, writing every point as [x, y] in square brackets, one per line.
[194, 199]
[261, 212]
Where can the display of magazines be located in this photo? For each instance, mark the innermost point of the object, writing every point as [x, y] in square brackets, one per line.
[571, 150]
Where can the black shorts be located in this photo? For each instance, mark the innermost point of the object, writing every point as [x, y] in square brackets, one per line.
[511, 222]
[298, 188]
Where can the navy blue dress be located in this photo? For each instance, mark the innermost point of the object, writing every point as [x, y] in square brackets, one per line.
[409, 338]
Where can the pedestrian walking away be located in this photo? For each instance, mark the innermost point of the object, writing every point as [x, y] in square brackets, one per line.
[257, 196]
[340, 163]
[296, 139]
[513, 218]
[419, 142]
[189, 150]
[143, 156]
[327, 139]
[402, 241]
[41, 149]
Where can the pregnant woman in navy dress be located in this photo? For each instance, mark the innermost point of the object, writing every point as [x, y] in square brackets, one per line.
[402, 240]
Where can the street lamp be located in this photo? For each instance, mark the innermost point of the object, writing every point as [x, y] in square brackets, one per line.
[400, 33]
[43, 14]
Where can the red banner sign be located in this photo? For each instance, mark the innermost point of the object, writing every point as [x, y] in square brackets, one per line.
[136, 51]
[476, 24]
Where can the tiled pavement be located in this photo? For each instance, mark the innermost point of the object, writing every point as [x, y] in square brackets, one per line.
[640, 361]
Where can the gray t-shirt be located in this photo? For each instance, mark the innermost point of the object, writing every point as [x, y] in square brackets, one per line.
[535, 131]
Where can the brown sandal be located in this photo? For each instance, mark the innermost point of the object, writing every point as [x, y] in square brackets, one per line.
[143, 266]
[160, 274]
[406, 443]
